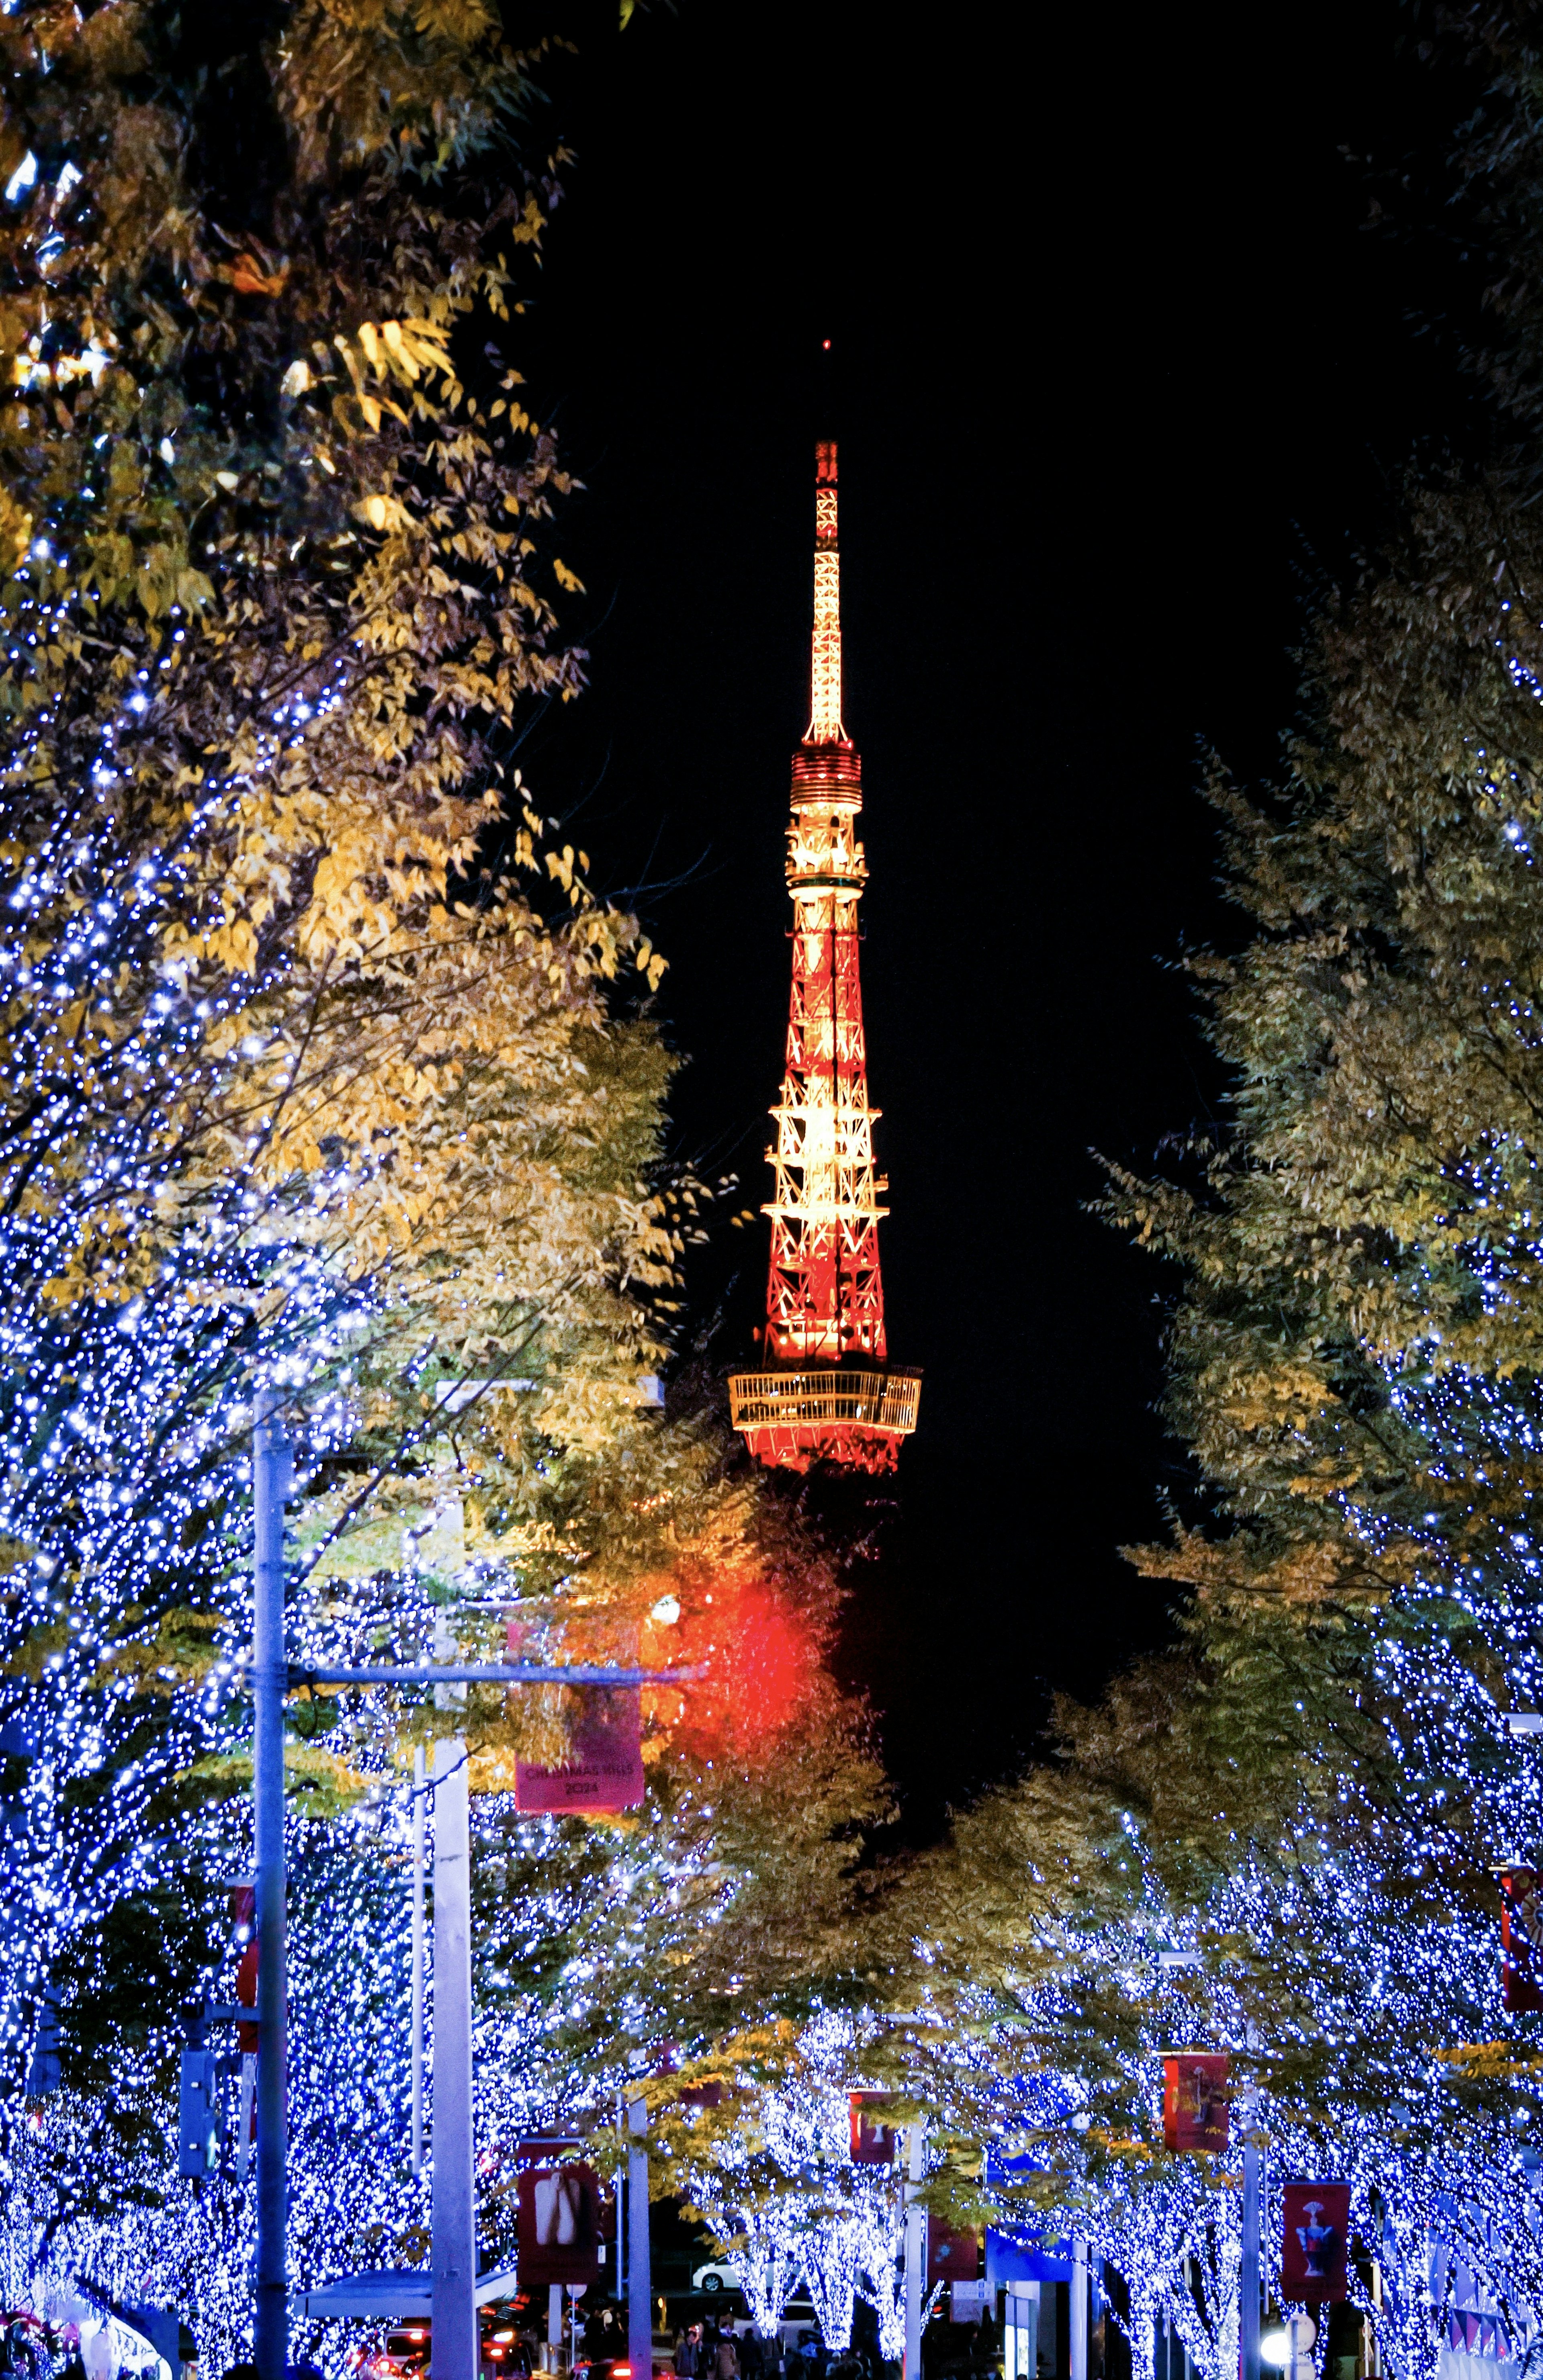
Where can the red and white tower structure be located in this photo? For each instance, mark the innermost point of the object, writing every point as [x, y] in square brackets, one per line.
[827, 1392]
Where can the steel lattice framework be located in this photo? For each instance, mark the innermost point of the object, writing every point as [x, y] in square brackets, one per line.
[832, 1394]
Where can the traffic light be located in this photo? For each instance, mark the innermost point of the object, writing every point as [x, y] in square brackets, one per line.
[198, 2114]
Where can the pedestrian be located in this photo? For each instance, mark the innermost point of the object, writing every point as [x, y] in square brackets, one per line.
[752, 2358]
[688, 2361]
[727, 2364]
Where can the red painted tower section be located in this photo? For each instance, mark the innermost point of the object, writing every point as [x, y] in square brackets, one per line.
[832, 1395]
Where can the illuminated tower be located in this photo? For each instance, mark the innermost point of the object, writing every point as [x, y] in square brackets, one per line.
[832, 1394]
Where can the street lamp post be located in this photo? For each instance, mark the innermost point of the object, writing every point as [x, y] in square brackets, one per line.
[270, 1684]
[1077, 2310]
[454, 2244]
[454, 2252]
[420, 1800]
[916, 2246]
[453, 2222]
[1248, 2266]
[640, 2275]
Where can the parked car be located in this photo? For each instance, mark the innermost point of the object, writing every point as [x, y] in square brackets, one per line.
[712, 2278]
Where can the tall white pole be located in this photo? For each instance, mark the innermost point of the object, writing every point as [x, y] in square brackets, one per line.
[916, 2247]
[1249, 2267]
[270, 1687]
[420, 1796]
[1080, 2309]
[639, 2276]
[455, 2350]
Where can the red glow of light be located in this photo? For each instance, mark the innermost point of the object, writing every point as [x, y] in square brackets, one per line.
[762, 1663]
[824, 342]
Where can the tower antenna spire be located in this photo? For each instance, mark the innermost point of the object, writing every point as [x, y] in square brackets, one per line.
[825, 725]
[830, 1392]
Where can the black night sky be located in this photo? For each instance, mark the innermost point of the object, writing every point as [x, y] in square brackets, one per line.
[1122, 381]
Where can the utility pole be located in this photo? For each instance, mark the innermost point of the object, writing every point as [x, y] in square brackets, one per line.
[269, 1684]
[916, 2246]
[454, 2353]
[1078, 2309]
[419, 1797]
[1248, 2264]
[640, 2275]
[455, 2350]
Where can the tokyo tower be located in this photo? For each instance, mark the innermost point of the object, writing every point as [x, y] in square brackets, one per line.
[829, 1394]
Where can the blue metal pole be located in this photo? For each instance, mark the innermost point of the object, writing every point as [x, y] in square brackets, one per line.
[270, 1680]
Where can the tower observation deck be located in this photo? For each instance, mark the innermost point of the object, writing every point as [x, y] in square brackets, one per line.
[829, 1392]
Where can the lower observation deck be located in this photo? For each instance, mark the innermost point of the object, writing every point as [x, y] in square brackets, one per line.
[828, 1414]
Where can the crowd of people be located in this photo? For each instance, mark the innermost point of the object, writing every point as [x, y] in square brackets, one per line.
[729, 2347]
[726, 2346]
[732, 2349]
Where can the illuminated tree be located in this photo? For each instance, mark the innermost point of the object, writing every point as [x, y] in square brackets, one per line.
[294, 1070]
[772, 2174]
[1306, 1797]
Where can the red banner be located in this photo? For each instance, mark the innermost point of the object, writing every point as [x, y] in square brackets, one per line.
[1521, 1939]
[951, 2255]
[243, 1910]
[560, 2224]
[1316, 2248]
[1194, 2097]
[873, 2137]
[605, 1771]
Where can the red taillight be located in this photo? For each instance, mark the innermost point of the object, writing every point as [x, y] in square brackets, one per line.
[621, 2371]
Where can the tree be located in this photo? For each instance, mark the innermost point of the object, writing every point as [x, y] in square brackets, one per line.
[770, 2172]
[295, 1073]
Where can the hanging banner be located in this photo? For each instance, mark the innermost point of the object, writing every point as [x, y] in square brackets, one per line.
[605, 1769]
[1315, 2251]
[1521, 1939]
[873, 2137]
[951, 2255]
[243, 1910]
[561, 2222]
[1195, 2110]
